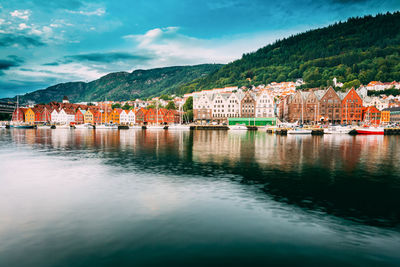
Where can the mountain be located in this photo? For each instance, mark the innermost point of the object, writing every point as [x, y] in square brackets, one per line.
[356, 51]
[123, 85]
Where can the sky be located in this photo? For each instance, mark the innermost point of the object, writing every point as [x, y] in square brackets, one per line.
[44, 42]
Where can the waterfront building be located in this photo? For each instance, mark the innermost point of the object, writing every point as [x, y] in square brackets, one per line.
[29, 116]
[115, 115]
[97, 116]
[352, 105]
[140, 116]
[330, 106]
[150, 116]
[219, 105]
[371, 115]
[248, 105]
[19, 115]
[202, 107]
[394, 115]
[233, 105]
[79, 116]
[123, 117]
[54, 116]
[88, 117]
[131, 117]
[42, 114]
[264, 104]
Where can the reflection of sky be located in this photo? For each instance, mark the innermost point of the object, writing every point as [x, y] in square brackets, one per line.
[68, 192]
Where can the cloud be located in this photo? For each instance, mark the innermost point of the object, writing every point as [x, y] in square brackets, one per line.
[109, 57]
[97, 12]
[8, 40]
[169, 47]
[21, 14]
[12, 61]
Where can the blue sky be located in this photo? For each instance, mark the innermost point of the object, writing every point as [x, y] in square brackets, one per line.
[47, 42]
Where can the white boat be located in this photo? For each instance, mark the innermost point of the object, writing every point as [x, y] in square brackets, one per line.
[136, 127]
[64, 126]
[338, 130]
[178, 127]
[240, 127]
[299, 131]
[84, 126]
[157, 127]
[44, 126]
[107, 126]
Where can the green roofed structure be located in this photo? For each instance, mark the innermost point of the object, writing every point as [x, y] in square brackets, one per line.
[252, 121]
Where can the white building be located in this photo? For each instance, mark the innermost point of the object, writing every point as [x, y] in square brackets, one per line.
[54, 116]
[123, 117]
[65, 117]
[265, 105]
[131, 117]
[220, 105]
[233, 105]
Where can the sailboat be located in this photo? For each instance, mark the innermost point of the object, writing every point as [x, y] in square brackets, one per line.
[179, 126]
[300, 130]
[157, 126]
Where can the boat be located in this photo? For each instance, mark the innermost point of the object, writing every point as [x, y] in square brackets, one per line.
[157, 127]
[44, 126]
[107, 126]
[240, 127]
[178, 127]
[23, 126]
[84, 126]
[371, 130]
[63, 126]
[299, 131]
[337, 130]
[136, 127]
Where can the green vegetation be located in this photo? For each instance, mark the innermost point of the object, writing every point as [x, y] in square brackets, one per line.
[120, 86]
[188, 108]
[170, 105]
[116, 105]
[359, 50]
[126, 106]
[392, 91]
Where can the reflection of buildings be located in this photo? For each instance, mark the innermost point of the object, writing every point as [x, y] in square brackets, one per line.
[256, 150]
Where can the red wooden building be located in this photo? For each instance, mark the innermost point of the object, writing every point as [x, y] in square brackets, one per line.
[140, 116]
[371, 115]
[79, 118]
[351, 107]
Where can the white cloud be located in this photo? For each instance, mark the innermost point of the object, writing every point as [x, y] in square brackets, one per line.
[23, 26]
[170, 47]
[21, 14]
[97, 12]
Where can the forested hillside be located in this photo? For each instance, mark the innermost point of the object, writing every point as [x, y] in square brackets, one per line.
[356, 51]
[123, 85]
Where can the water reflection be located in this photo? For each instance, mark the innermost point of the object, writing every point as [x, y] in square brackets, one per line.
[356, 178]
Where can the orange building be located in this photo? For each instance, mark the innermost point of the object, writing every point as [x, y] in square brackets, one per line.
[351, 107]
[372, 115]
[115, 115]
[385, 116]
[29, 116]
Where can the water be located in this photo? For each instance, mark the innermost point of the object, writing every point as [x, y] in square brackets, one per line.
[202, 198]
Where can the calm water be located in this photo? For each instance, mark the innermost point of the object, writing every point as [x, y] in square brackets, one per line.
[135, 198]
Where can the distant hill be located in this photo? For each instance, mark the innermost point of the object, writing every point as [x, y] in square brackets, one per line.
[359, 50]
[123, 85]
